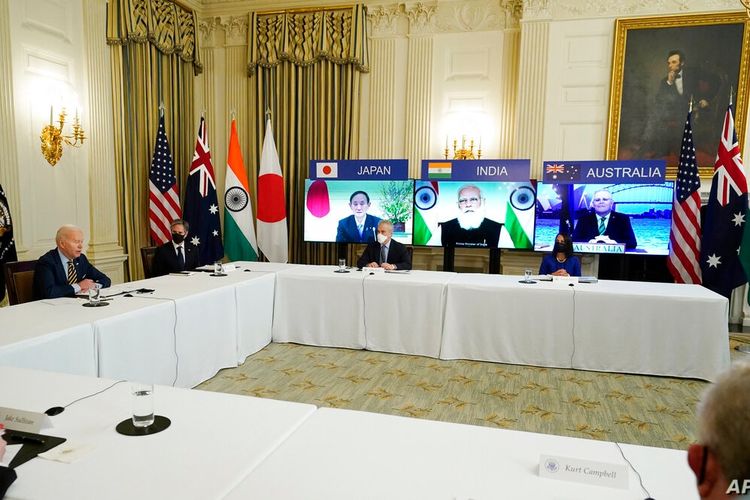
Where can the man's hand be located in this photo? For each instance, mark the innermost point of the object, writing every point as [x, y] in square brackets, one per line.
[373, 264]
[86, 285]
[671, 76]
[387, 266]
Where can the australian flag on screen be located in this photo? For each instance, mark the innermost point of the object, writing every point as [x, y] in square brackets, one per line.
[7, 245]
[725, 218]
[560, 172]
[201, 205]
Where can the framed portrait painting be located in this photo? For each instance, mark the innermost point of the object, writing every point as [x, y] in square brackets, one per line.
[663, 64]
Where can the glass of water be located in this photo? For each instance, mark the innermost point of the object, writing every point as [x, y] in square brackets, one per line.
[94, 295]
[143, 404]
[217, 267]
[342, 264]
[527, 275]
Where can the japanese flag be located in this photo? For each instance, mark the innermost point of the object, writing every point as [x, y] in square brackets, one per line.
[327, 169]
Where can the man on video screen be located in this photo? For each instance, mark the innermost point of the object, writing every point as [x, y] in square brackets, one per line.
[604, 225]
[360, 227]
[471, 228]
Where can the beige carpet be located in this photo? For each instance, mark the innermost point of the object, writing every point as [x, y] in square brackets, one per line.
[654, 411]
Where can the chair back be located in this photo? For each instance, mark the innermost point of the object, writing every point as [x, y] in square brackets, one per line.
[19, 279]
[147, 257]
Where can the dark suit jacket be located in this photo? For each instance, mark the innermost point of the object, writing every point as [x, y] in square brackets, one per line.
[7, 476]
[51, 280]
[487, 235]
[165, 259]
[347, 231]
[618, 228]
[398, 255]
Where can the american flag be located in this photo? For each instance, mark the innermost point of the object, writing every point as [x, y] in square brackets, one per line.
[164, 200]
[685, 234]
[201, 205]
[726, 215]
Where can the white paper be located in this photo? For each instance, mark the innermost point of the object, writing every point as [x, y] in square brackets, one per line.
[68, 452]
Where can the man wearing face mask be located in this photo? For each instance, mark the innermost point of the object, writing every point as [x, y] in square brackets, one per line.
[176, 255]
[386, 252]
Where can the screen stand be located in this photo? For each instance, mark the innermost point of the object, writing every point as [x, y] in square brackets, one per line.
[494, 261]
[449, 254]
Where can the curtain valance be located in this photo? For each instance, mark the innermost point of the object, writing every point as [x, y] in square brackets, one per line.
[168, 27]
[337, 35]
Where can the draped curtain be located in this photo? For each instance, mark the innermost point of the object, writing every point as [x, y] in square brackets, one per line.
[305, 67]
[154, 60]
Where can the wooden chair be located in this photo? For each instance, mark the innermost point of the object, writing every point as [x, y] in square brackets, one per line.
[147, 257]
[19, 279]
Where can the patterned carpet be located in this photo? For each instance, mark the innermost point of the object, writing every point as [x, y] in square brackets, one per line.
[654, 411]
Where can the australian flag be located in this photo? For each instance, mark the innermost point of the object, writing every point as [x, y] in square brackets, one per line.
[201, 204]
[7, 245]
[726, 216]
[561, 173]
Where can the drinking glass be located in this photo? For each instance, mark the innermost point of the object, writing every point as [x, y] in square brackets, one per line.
[143, 404]
[94, 295]
[342, 264]
[527, 275]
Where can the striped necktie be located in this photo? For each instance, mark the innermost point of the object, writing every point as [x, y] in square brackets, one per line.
[72, 277]
[602, 227]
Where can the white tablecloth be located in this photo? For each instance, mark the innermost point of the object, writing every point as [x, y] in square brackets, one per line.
[618, 326]
[342, 454]
[315, 305]
[49, 335]
[254, 303]
[214, 441]
[495, 318]
[404, 312]
[652, 328]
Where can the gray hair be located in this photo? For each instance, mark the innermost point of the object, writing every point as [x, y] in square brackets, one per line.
[65, 229]
[386, 223]
[724, 420]
[180, 222]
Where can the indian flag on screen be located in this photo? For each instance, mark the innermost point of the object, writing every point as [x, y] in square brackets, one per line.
[515, 228]
[439, 170]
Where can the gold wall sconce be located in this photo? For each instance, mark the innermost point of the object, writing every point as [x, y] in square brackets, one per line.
[53, 139]
[464, 153]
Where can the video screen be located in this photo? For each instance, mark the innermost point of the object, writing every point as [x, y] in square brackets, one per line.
[348, 211]
[605, 218]
[474, 214]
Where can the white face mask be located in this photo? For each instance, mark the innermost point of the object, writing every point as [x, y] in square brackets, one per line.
[382, 238]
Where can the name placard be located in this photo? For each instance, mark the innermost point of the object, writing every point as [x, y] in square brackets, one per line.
[583, 471]
[598, 247]
[477, 170]
[25, 421]
[604, 172]
[359, 169]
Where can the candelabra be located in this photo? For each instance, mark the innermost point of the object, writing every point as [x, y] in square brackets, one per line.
[464, 153]
[52, 137]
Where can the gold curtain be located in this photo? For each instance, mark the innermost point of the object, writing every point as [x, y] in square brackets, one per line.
[154, 60]
[306, 68]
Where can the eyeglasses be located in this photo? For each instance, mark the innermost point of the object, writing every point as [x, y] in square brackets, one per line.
[466, 201]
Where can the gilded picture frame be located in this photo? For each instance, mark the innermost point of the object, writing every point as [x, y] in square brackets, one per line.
[658, 64]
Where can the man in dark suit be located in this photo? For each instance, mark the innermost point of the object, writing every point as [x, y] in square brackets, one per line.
[385, 252]
[604, 225]
[471, 228]
[176, 255]
[360, 227]
[65, 271]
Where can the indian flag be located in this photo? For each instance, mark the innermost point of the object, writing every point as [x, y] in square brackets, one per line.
[515, 229]
[272, 233]
[239, 233]
[439, 170]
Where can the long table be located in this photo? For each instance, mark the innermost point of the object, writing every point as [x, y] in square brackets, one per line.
[617, 326]
[181, 334]
[344, 454]
[213, 442]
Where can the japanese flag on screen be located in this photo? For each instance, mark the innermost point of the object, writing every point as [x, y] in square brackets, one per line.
[327, 169]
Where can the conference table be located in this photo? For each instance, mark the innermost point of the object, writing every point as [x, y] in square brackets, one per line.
[344, 454]
[214, 439]
[181, 333]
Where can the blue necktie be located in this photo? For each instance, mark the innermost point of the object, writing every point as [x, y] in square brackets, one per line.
[180, 258]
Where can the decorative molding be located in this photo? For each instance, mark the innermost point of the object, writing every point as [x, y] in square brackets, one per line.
[207, 30]
[477, 15]
[382, 120]
[420, 17]
[418, 102]
[48, 65]
[384, 19]
[575, 9]
[235, 30]
[513, 12]
[33, 23]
